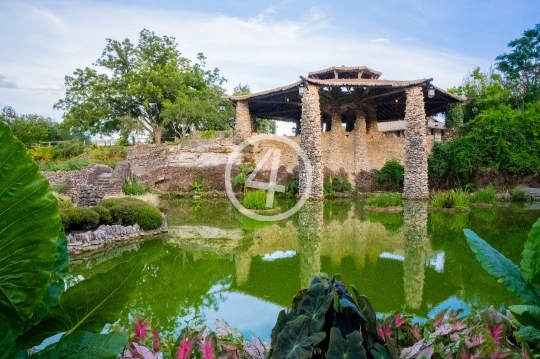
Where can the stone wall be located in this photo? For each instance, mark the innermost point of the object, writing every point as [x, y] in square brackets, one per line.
[106, 235]
[88, 186]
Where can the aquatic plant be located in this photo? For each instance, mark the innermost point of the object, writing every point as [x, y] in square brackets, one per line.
[517, 194]
[325, 321]
[523, 281]
[485, 195]
[449, 199]
[256, 200]
[385, 200]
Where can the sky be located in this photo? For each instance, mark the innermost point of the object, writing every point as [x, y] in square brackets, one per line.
[264, 44]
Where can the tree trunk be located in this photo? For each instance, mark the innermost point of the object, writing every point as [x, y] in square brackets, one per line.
[157, 135]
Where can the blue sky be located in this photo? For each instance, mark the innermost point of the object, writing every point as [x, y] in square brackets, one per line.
[262, 43]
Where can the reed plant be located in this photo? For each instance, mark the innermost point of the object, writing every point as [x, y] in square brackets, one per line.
[449, 199]
[485, 195]
[385, 200]
[256, 200]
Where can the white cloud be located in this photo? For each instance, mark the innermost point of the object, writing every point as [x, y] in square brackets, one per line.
[6, 82]
[264, 51]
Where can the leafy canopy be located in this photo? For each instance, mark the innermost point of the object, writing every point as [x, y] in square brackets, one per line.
[148, 87]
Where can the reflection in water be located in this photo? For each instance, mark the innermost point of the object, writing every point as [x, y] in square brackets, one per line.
[415, 242]
[310, 226]
[217, 263]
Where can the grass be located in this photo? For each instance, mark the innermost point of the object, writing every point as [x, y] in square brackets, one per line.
[517, 194]
[449, 199]
[256, 200]
[51, 158]
[385, 200]
[134, 188]
[486, 195]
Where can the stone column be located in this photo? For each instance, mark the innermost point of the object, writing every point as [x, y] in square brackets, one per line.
[415, 215]
[361, 161]
[310, 142]
[371, 118]
[416, 177]
[242, 263]
[242, 126]
[310, 226]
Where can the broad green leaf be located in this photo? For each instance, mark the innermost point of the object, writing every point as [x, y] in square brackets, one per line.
[529, 334]
[88, 305]
[530, 258]
[380, 352]
[527, 315]
[85, 345]
[350, 348]
[9, 331]
[315, 304]
[284, 317]
[294, 342]
[367, 309]
[499, 266]
[29, 227]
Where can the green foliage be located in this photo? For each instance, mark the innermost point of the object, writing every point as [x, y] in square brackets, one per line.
[517, 194]
[391, 174]
[83, 344]
[485, 195]
[51, 158]
[256, 200]
[67, 150]
[385, 200]
[208, 134]
[105, 216]
[152, 89]
[196, 187]
[135, 188]
[29, 227]
[524, 280]
[292, 187]
[79, 218]
[326, 322]
[59, 188]
[449, 199]
[265, 126]
[338, 183]
[128, 211]
[32, 129]
[241, 178]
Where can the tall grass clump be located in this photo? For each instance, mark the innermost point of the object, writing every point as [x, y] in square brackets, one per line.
[517, 194]
[486, 195]
[256, 200]
[385, 200]
[449, 199]
[134, 188]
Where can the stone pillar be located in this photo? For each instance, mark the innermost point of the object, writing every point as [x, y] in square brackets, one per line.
[310, 226]
[371, 118]
[415, 215]
[242, 126]
[242, 263]
[416, 177]
[361, 161]
[310, 142]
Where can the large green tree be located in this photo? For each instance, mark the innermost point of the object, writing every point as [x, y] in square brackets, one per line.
[146, 87]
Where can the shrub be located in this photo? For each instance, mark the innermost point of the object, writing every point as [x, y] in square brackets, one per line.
[486, 195]
[67, 150]
[134, 188]
[59, 188]
[385, 200]
[128, 211]
[104, 214]
[391, 174]
[337, 183]
[256, 200]
[79, 218]
[41, 153]
[449, 199]
[291, 187]
[517, 194]
[208, 134]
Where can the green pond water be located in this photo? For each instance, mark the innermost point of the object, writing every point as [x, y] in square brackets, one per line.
[217, 264]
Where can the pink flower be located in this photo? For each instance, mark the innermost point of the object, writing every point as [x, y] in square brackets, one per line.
[141, 329]
[185, 348]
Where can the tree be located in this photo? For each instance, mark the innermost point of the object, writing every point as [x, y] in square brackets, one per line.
[523, 63]
[151, 87]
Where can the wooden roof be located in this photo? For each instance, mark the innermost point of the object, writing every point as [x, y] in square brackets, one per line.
[285, 104]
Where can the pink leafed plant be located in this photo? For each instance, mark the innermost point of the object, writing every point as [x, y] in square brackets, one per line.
[141, 329]
[185, 348]
[207, 348]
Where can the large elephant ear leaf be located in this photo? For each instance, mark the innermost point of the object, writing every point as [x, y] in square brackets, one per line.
[29, 227]
[315, 304]
[526, 315]
[530, 258]
[88, 305]
[85, 345]
[499, 266]
[294, 342]
[340, 348]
